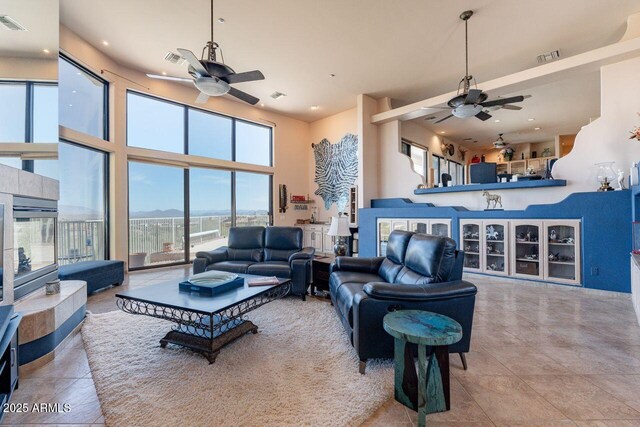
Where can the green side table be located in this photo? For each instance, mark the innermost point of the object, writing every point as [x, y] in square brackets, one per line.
[426, 391]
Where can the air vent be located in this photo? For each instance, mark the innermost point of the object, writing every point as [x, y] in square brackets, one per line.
[174, 58]
[278, 95]
[11, 24]
[549, 56]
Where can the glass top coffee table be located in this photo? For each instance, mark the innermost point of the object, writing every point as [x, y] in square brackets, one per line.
[202, 323]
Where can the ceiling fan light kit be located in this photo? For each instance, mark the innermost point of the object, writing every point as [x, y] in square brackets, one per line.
[211, 77]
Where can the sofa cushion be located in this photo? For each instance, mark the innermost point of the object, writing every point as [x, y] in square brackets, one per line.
[270, 268]
[252, 255]
[339, 278]
[246, 237]
[429, 256]
[231, 266]
[397, 245]
[282, 242]
[389, 270]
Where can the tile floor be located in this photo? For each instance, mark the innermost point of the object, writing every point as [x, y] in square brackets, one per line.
[542, 355]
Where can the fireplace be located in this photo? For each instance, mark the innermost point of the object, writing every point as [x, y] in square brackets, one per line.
[34, 244]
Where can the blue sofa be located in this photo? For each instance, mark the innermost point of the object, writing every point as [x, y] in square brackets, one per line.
[270, 251]
[419, 272]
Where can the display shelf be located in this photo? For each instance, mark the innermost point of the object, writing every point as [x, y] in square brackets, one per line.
[561, 244]
[494, 186]
[302, 202]
[527, 260]
[562, 262]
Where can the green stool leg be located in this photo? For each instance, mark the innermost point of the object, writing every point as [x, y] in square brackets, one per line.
[430, 391]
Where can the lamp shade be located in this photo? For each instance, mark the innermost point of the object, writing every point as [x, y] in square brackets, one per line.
[339, 226]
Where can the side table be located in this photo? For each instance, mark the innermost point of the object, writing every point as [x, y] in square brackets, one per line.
[320, 273]
[426, 391]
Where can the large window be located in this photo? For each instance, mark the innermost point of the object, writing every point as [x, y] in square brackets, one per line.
[253, 144]
[209, 209]
[210, 135]
[156, 215]
[154, 124]
[157, 124]
[82, 209]
[83, 100]
[253, 199]
[28, 113]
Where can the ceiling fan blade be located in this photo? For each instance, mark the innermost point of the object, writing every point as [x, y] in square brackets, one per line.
[511, 107]
[249, 76]
[193, 61]
[243, 96]
[172, 78]
[472, 96]
[483, 116]
[503, 101]
[202, 98]
[445, 118]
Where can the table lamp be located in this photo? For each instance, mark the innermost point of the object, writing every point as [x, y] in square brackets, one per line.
[340, 229]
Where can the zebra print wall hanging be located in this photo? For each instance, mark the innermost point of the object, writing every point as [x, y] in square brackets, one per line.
[336, 170]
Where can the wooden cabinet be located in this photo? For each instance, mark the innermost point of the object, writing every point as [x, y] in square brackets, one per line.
[315, 236]
[562, 251]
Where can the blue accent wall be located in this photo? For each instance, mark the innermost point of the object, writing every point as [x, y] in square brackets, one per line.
[605, 236]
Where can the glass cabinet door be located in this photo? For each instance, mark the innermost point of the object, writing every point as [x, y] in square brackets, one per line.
[518, 167]
[470, 244]
[496, 248]
[419, 226]
[399, 224]
[384, 229]
[440, 228]
[562, 249]
[527, 249]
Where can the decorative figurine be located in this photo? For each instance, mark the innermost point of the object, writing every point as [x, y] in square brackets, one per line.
[552, 235]
[24, 262]
[492, 198]
[621, 185]
[492, 233]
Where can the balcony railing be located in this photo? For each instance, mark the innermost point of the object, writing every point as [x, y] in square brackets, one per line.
[161, 240]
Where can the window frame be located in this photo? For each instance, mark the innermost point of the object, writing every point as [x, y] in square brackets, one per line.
[105, 189]
[187, 108]
[105, 93]
[28, 165]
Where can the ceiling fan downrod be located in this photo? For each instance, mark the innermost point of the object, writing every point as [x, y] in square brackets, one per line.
[465, 16]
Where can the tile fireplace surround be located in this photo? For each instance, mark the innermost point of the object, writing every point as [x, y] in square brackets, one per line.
[15, 182]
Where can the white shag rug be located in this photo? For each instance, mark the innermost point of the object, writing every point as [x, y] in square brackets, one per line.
[299, 370]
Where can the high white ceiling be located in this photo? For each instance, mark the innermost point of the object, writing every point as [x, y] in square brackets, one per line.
[408, 50]
[40, 18]
[559, 108]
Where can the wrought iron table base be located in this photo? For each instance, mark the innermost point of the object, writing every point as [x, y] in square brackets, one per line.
[209, 347]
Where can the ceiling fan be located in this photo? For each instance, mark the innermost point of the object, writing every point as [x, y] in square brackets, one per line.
[473, 102]
[499, 143]
[213, 78]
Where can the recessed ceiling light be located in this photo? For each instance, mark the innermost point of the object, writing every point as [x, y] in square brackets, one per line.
[314, 107]
[46, 51]
[442, 131]
[262, 105]
[221, 20]
[164, 73]
[530, 119]
[497, 120]
[104, 42]
[536, 128]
